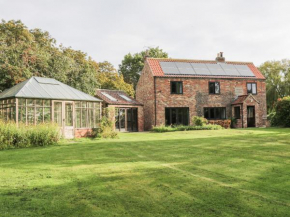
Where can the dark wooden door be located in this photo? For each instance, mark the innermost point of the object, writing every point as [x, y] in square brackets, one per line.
[251, 116]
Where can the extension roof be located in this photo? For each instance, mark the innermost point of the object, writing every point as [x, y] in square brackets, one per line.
[46, 88]
[116, 97]
[159, 66]
[242, 98]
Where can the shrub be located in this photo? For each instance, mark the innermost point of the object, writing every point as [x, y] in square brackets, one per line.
[162, 128]
[198, 121]
[22, 136]
[107, 126]
[281, 115]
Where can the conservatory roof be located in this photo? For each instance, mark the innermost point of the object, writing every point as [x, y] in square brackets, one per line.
[46, 88]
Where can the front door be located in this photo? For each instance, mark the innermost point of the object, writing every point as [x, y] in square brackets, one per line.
[63, 116]
[251, 116]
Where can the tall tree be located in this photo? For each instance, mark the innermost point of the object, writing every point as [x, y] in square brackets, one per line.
[109, 78]
[277, 75]
[132, 65]
[25, 53]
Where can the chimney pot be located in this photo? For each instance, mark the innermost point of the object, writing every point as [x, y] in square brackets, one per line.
[220, 57]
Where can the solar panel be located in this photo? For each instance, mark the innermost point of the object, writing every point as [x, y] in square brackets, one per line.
[215, 69]
[173, 71]
[186, 71]
[168, 64]
[183, 65]
[109, 96]
[125, 97]
[198, 65]
[244, 70]
[220, 69]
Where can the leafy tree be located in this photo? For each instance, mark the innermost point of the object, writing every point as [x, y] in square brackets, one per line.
[109, 78]
[133, 64]
[277, 80]
[25, 53]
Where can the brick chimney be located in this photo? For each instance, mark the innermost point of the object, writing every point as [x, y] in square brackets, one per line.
[220, 58]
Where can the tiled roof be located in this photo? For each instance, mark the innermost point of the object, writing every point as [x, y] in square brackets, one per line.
[116, 97]
[157, 70]
[240, 99]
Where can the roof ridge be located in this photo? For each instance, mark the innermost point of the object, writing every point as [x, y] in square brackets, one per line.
[198, 60]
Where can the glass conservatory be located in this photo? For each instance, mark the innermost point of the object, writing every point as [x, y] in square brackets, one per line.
[40, 100]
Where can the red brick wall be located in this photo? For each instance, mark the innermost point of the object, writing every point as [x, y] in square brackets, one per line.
[79, 133]
[145, 95]
[196, 96]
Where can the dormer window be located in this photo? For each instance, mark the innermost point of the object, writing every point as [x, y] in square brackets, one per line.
[252, 88]
[214, 88]
[176, 87]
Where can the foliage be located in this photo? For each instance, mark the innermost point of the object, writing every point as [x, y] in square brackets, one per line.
[199, 121]
[162, 128]
[133, 64]
[281, 115]
[25, 53]
[12, 136]
[278, 80]
[109, 78]
[107, 125]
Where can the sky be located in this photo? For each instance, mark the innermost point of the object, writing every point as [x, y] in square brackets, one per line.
[245, 30]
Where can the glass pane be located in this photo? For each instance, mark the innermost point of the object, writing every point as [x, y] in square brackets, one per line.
[21, 102]
[167, 116]
[211, 113]
[90, 118]
[206, 113]
[30, 115]
[30, 102]
[179, 87]
[84, 104]
[173, 87]
[173, 116]
[223, 113]
[78, 118]
[90, 105]
[46, 103]
[39, 115]
[97, 115]
[84, 117]
[78, 104]
[69, 114]
[58, 113]
[211, 87]
[47, 114]
[122, 118]
[217, 87]
[254, 88]
[218, 113]
[39, 102]
[117, 119]
[249, 88]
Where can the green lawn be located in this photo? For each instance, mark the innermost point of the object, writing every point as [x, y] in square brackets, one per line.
[193, 173]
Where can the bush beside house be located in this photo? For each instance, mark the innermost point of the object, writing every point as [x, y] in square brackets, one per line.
[281, 114]
[13, 136]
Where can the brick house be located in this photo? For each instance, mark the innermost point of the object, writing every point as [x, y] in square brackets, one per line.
[126, 112]
[174, 90]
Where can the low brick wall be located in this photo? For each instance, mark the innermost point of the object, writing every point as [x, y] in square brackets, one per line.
[79, 133]
[224, 123]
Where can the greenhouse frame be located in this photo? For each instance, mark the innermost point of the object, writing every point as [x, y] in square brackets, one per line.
[41, 100]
